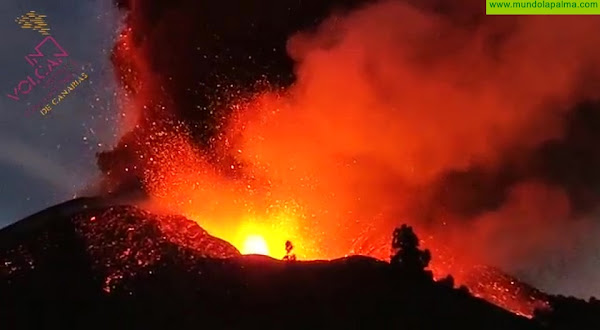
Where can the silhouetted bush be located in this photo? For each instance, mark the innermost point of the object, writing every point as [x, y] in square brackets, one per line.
[447, 281]
[463, 289]
[289, 256]
[408, 258]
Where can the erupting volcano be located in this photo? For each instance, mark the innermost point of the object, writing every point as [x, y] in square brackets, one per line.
[264, 130]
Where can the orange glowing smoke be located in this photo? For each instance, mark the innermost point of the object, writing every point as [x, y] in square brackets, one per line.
[227, 205]
[387, 100]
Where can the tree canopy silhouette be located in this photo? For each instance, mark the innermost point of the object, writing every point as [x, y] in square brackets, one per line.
[407, 257]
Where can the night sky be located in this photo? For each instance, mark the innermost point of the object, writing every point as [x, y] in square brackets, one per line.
[48, 159]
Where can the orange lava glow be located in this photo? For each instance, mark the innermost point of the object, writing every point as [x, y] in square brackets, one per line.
[258, 206]
[255, 244]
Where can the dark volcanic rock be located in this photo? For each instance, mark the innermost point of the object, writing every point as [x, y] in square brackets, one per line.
[66, 258]
[124, 241]
[88, 264]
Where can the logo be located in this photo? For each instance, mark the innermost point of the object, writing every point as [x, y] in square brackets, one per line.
[51, 68]
[31, 20]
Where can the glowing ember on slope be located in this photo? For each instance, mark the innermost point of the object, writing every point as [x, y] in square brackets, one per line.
[138, 240]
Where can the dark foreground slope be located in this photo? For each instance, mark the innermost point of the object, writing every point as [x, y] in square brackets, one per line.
[86, 264]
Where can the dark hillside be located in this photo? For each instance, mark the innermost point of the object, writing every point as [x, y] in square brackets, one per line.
[85, 264]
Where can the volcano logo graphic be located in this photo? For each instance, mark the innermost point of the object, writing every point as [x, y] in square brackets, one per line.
[32, 20]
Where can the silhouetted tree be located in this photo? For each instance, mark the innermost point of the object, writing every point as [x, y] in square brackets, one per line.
[289, 256]
[407, 256]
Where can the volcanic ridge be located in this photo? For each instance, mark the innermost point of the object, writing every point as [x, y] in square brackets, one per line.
[90, 263]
